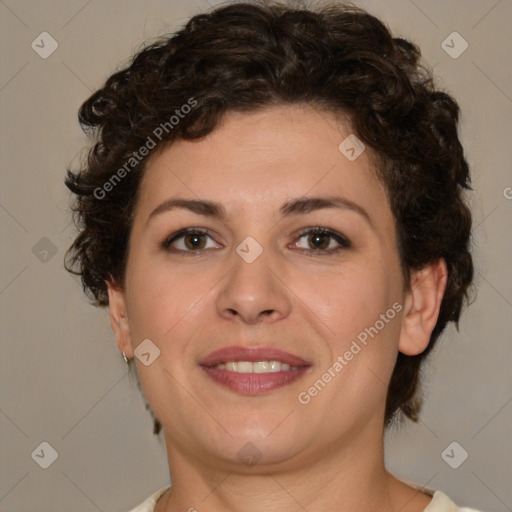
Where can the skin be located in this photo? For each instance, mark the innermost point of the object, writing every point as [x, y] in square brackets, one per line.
[328, 454]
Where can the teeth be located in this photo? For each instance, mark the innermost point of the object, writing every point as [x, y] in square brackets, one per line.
[243, 367]
[261, 367]
[258, 367]
[232, 367]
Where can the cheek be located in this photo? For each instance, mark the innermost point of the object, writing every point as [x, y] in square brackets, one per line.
[350, 300]
[362, 309]
[160, 301]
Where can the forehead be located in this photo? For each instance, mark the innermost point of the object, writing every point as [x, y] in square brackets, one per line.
[259, 159]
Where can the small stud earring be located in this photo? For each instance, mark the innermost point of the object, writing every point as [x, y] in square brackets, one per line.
[125, 359]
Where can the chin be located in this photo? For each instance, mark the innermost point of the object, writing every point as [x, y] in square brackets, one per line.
[258, 443]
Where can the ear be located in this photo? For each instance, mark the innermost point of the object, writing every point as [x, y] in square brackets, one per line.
[119, 318]
[422, 304]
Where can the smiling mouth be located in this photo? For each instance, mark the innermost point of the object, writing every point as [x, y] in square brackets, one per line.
[257, 367]
[253, 371]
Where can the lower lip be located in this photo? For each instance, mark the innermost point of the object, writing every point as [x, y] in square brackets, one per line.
[254, 383]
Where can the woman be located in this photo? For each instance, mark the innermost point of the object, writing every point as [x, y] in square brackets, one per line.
[273, 212]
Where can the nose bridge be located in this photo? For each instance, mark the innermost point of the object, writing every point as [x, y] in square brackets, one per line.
[252, 290]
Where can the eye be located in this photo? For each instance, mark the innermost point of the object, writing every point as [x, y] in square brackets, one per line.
[323, 240]
[318, 240]
[189, 240]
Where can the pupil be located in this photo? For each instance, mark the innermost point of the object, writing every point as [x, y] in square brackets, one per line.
[318, 239]
[194, 241]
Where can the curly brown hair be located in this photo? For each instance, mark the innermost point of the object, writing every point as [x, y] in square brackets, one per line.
[247, 56]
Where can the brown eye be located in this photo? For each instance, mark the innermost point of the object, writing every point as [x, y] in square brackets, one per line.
[189, 240]
[194, 241]
[319, 240]
[323, 241]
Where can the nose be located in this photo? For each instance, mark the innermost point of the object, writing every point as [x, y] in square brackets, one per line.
[254, 292]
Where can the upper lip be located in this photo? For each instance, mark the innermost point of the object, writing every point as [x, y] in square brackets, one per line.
[253, 355]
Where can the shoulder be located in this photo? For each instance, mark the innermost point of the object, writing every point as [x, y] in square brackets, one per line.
[441, 503]
[148, 505]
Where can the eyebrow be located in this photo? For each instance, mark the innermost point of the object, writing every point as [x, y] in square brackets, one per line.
[293, 207]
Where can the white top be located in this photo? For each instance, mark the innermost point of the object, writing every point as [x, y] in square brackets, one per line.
[440, 502]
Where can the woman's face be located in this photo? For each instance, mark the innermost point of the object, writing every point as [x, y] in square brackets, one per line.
[263, 277]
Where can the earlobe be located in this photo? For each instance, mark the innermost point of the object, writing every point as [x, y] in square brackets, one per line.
[422, 305]
[119, 319]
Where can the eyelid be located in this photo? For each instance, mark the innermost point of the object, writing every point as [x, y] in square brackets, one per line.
[342, 240]
[166, 243]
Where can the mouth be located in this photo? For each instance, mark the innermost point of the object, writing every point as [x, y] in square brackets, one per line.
[253, 371]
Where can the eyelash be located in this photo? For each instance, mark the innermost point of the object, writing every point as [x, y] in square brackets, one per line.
[343, 242]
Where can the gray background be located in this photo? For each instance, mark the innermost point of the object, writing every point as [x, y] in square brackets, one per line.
[62, 379]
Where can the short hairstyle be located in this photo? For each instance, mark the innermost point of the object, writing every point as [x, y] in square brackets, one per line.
[248, 56]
